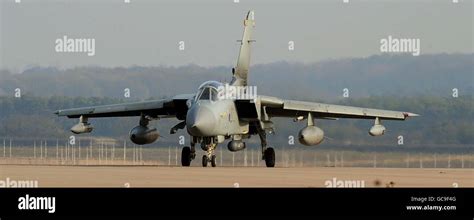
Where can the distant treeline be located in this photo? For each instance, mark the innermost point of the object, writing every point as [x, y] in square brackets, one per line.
[443, 121]
[381, 75]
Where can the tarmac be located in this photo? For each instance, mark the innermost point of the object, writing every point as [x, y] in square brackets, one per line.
[166, 176]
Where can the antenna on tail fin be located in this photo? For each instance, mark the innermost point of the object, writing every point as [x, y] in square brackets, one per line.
[240, 72]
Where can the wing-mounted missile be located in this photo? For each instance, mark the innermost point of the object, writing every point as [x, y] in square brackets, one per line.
[378, 129]
[82, 127]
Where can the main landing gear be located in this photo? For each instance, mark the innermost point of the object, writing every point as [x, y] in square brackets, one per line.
[269, 156]
[187, 155]
[268, 153]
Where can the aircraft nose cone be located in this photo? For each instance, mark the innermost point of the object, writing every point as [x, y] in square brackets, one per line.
[200, 121]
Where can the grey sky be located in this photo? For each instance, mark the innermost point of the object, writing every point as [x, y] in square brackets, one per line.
[147, 32]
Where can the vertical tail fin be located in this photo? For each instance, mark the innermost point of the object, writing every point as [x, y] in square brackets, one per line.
[241, 71]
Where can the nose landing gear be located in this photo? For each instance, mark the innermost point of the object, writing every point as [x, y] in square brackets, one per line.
[189, 153]
[210, 156]
[206, 160]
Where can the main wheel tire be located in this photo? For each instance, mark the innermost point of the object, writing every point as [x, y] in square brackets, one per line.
[270, 157]
[213, 160]
[186, 157]
[205, 160]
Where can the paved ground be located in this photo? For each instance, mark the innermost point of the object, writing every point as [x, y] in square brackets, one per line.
[163, 176]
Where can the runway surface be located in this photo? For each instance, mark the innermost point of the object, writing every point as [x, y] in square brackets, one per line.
[163, 176]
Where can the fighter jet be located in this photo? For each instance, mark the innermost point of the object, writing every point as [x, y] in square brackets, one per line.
[229, 111]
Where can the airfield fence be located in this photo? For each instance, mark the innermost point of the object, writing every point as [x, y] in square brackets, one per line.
[113, 152]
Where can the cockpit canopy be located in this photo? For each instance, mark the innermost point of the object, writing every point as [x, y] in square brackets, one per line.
[208, 91]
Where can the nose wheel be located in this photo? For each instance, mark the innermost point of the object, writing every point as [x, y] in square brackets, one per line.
[206, 160]
[209, 157]
[213, 161]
